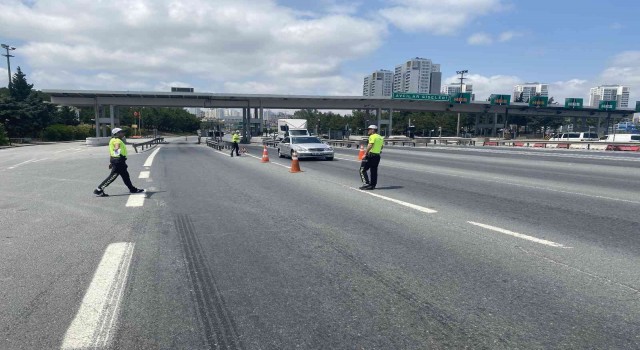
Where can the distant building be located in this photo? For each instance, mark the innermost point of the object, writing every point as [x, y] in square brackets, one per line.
[379, 83]
[452, 89]
[528, 90]
[418, 75]
[617, 93]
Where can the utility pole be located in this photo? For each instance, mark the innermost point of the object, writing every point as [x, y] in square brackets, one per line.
[7, 55]
[462, 78]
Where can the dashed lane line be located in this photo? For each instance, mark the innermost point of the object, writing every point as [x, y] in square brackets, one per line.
[520, 235]
[94, 324]
[144, 175]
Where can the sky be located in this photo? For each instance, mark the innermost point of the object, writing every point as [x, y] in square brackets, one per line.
[321, 47]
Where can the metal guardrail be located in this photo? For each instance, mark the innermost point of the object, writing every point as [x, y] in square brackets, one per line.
[216, 144]
[148, 144]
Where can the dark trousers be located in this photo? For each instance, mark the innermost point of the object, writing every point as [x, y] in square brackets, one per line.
[370, 162]
[118, 167]
[235, 147]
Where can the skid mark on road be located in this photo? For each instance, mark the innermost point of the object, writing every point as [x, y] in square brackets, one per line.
[219, 327]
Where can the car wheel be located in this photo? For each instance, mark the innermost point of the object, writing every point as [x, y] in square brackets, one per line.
[329, 158]
[280, 155]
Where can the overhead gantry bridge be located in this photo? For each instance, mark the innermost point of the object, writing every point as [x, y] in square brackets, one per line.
[253, 106]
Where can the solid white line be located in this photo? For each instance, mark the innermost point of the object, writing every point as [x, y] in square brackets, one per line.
[136, 200]
[406, 204]
[19, 164]
[98, 313]
[149, 160]
[144, 175]
[519, 235]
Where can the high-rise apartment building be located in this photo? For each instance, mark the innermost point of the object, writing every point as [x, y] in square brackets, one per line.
[418, 75]
[617, 93]
[528, 90]
[379, 83]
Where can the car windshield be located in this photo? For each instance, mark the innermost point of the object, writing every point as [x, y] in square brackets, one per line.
[297, 132]
[305, 140]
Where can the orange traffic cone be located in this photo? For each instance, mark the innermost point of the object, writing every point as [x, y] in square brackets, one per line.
[361, 154]
[265, 155]
[295, 166]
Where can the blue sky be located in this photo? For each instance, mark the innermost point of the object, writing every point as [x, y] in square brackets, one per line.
[320, 47]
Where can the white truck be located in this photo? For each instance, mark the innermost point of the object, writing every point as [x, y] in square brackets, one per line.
[292, 127]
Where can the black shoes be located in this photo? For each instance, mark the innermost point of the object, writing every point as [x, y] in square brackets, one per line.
[367, 187]
[100, 193]
[137, 190]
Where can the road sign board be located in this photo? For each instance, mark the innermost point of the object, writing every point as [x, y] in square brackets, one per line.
[135, 114]
[416, 96]
[607, 105]
[500, 100]
[637, 106]
[134, 126]
[571, 102]
[538, 101]
[461, 98]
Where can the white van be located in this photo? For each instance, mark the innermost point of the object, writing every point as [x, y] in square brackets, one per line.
[575, 136]
[623, 138]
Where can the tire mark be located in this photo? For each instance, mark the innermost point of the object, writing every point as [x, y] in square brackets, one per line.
[219, 327]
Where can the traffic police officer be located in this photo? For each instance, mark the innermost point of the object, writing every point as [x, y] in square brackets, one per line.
[371, 159]
[117, 164]
[235, 140]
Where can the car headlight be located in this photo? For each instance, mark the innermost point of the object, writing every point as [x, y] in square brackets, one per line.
[300, 148]
[330, 149]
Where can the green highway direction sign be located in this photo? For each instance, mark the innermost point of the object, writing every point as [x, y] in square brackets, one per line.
[416, 96]
[461, 98]
[538, 101]
[607, 105]
[637, 106]
[500, 100]
[572, 102]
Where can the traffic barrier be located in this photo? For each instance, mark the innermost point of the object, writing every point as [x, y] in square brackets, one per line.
[361, 154]
[627, 148]
[518, 144]
[563, 145]
[541, 145]
[490, 143]
[265, 155]
[295, 165]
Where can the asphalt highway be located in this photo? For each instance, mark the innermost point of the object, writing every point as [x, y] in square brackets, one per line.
[458, 247]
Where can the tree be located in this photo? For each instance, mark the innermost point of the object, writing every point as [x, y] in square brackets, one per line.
[20, 89]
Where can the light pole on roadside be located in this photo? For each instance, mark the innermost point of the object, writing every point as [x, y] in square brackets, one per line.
[462, 78]
[7, 55]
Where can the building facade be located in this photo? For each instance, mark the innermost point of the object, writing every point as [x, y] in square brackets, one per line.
[528, 90]
[379, 83]
[617, 93]
[418, 75]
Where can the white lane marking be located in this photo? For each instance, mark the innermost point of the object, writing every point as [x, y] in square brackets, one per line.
[98, 313]
[136, 200]
[144, 175]
[519, 235]
[27, 162]
[406, 204]
[149, 160]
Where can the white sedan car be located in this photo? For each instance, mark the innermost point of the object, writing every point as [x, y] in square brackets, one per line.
[306, 147]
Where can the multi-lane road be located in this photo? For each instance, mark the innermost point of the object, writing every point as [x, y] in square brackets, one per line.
[495, 248]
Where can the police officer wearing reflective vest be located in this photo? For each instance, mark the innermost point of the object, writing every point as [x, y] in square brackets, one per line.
[371, 159]
[117, 164]
[235, 140]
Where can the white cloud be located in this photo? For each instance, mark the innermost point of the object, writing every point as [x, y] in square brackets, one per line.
[560, 90]
[480, 39]
[508, 35]
[145, 44]
[438, 16]
[625, 70]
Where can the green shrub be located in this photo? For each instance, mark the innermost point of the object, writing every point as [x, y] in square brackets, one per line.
[4, 139]
[59, 132]
[82, 131]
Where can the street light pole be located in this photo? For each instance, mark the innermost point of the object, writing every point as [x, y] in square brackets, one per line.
[7, 55]
[462, 78]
